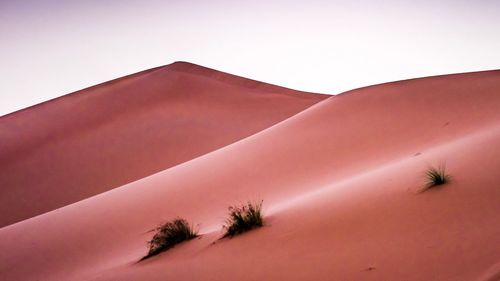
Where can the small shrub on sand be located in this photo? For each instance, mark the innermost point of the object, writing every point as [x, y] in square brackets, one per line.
[243, 218]
[168, 235]
[435, 177]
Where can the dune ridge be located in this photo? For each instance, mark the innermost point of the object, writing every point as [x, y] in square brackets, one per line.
[340, 182]
[102, 137]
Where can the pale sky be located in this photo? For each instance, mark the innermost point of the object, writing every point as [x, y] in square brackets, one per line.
[49, 48]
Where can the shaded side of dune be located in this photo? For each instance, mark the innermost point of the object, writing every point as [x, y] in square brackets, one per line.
[91, 141]
[340, 183]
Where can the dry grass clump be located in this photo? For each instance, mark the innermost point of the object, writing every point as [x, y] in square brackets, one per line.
[436, 177]
[243, 218]
[168, 235]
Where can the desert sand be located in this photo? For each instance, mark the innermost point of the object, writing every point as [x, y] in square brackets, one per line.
[341, 179]
[94, 140]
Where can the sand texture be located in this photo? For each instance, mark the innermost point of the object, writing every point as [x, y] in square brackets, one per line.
[341, 178]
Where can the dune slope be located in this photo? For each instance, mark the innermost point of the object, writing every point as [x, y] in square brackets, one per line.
[91, 141]
[341, 186]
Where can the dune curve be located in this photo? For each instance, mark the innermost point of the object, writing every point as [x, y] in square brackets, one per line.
[93, 140]
[340, 183]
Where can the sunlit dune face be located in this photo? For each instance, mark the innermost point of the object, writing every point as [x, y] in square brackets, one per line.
[180, 171]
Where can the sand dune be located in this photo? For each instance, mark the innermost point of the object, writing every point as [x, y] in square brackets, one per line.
[91, 141]
[340, 183]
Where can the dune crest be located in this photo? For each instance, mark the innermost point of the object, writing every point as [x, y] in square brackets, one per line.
[102, 137]
[340, 182]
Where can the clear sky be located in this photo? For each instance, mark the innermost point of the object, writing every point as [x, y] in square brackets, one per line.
[49, 48]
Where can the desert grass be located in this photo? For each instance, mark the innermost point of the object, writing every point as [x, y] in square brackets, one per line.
[243, 218]
[435, 177]
[168, 235]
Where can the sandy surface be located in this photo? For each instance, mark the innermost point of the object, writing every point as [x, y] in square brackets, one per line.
[340, 183]
[88, 142]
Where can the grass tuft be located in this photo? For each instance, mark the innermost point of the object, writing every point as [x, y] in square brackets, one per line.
[435, 177]
[168, 235]
[243, 218]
